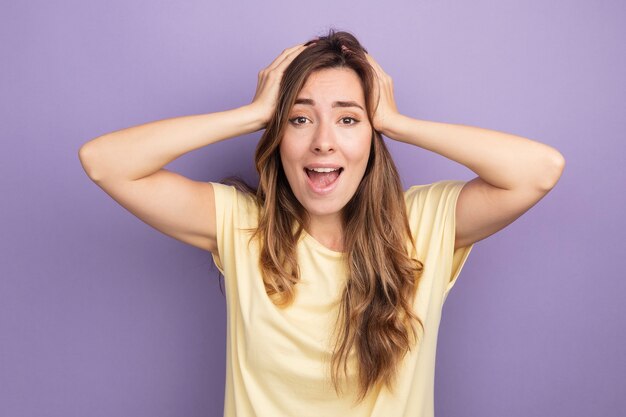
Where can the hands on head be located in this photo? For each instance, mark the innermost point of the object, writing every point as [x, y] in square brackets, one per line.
[385, 108]
[266, 95]
[268, 85]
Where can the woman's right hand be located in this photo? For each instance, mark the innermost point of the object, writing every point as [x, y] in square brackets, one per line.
[266, 95]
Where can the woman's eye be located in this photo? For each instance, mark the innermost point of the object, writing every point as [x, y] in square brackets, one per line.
[354, 121]
[298, 120]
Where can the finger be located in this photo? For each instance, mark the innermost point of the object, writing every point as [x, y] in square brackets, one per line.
[285, 55]
[380, 73]
[377, 72]
[373, 62]
[279, 58]
[290, 57]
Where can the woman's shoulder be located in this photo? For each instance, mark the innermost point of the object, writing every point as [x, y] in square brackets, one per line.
[433, 195]
[234, 198]
[438, 188]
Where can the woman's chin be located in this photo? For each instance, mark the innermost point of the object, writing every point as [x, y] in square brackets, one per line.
[323, 210]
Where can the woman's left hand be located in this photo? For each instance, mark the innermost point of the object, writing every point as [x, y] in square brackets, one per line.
[386, 108]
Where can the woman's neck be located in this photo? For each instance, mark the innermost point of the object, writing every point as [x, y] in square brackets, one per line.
[328, 231]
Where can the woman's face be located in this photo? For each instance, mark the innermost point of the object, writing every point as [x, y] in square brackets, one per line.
[326, 143]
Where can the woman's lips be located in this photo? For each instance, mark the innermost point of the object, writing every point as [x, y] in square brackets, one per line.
[322, 182]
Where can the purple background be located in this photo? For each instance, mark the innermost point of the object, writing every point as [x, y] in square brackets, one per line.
[101, 315]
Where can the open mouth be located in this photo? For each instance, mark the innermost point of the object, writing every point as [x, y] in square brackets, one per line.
[321, 179]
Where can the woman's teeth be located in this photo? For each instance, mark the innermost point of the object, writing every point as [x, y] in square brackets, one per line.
[323, 169]
[323, 177]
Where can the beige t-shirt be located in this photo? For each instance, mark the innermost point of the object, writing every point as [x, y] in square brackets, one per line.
[278, 359]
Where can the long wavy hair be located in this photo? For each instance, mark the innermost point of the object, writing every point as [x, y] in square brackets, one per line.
[375, 315]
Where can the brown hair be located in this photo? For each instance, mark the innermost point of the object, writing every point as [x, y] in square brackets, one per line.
[376, 307]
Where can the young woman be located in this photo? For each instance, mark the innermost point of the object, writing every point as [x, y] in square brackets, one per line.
[335, 277]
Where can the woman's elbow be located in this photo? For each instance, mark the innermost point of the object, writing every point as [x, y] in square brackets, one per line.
[554, 170]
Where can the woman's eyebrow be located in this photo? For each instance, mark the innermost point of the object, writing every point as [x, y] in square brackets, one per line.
[335, 104]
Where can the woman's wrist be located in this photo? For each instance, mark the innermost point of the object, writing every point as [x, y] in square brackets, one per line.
[253, 117]
[393, 126]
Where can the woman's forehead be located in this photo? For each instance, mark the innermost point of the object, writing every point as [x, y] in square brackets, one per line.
[332, 85]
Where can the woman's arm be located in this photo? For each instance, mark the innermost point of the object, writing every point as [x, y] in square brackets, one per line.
[138, 151]
[514, 173]
[503, 160]
[128, 164]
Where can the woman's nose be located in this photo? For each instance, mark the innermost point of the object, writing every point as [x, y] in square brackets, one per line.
[324, 139]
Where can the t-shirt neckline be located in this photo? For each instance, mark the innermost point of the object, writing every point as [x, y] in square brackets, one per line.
[320, 246]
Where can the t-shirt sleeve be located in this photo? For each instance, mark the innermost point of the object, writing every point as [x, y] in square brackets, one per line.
[431, 211]
[234, 214]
